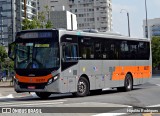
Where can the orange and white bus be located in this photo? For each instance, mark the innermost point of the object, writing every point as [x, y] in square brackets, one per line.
[59, 61]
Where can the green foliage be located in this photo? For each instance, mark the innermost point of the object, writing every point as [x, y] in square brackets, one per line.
[8, 64]
[5, 63]
[3, 54]
[49, 24]
[156, 51]
[41, 22]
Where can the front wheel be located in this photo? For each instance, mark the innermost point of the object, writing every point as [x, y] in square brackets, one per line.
[43, 95]
[82, 87]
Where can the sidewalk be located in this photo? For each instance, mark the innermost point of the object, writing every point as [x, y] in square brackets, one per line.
[6, 84]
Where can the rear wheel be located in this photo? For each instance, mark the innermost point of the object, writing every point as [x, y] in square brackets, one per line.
[43, 95]
[82, 87]
[128, 84]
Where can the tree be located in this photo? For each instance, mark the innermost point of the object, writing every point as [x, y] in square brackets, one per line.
[3, 54]
[156, 51]
[40, 21]
[26, 24]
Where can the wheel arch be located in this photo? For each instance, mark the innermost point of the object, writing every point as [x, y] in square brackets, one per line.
[85, 76]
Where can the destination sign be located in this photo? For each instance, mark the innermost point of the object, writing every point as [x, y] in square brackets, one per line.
[32, 35]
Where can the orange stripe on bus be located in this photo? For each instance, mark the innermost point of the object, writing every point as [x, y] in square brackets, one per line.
[40, 79]
[136, 71]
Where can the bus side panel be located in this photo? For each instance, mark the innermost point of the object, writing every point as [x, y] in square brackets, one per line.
[93, 69]
[126, 66]
[108, 68]
[69, 79]
[146, 74]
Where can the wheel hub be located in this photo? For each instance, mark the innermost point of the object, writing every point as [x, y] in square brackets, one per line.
[82, 87]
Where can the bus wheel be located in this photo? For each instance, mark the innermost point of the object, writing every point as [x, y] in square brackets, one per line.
[82, 87]
[43, 95]
[128, 84]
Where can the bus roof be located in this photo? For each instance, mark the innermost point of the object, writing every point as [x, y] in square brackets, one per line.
[92, 32]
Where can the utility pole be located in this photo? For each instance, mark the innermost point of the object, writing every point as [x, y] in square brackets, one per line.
[146, 19]
[128, 21]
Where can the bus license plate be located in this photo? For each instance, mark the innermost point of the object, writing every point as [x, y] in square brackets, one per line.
[31, 87]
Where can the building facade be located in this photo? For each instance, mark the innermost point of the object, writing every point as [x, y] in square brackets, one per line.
[7, 30]
[25, 9]
[91, 14]
[153, 27]
[64, 19]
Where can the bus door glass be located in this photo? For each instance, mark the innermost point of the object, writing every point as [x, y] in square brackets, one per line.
[69, 51]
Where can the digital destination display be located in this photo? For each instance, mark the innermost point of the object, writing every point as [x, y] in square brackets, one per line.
[32, 35]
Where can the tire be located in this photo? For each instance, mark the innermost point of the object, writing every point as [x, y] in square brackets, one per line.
[82, 88]
[128, 84]
[43, 95]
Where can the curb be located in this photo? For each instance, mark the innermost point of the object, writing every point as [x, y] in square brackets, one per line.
[6, 86]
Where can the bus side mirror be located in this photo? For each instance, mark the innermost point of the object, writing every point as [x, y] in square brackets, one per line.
[11, 51]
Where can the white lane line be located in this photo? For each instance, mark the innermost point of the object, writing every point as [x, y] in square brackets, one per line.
[158, 105]
[158, 84]
[10, 103]
[110, 114]
[7, 105]
[9, 96]
[33, 94]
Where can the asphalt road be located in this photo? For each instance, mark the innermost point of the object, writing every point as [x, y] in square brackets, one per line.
[146, 95]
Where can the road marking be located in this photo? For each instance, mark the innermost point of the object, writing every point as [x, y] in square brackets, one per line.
[29, 104]
[48, 101]
[9, 96]
[158, 84]
[158, 105]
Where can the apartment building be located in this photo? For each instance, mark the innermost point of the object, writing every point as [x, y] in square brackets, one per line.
[153, 27]
[6, 21]
[91, 14]
[25, 9]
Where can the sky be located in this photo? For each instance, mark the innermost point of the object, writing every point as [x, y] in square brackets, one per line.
[136, 9]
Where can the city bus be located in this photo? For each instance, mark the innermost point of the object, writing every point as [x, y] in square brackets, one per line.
[49, 61]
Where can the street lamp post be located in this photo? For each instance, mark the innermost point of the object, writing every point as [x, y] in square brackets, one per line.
[128, 21]
[146, 19]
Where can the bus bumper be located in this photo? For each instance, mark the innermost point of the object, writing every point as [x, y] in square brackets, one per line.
[42, 87]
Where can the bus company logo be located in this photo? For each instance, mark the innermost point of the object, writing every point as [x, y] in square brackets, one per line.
[95, 68]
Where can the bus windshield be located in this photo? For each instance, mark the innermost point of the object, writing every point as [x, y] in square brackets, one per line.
[36, 55]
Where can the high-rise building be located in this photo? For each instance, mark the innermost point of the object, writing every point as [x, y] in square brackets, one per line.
[25, 9]
[12, 12]
[153, 27]
[91, 14]
[7, 30]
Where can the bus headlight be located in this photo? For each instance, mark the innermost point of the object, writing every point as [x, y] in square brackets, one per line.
[55, 78]
[52, 79]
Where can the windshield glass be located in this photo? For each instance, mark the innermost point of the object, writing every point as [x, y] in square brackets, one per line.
[37, 55]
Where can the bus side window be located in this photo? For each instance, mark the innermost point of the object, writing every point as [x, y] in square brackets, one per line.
[70, 52]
